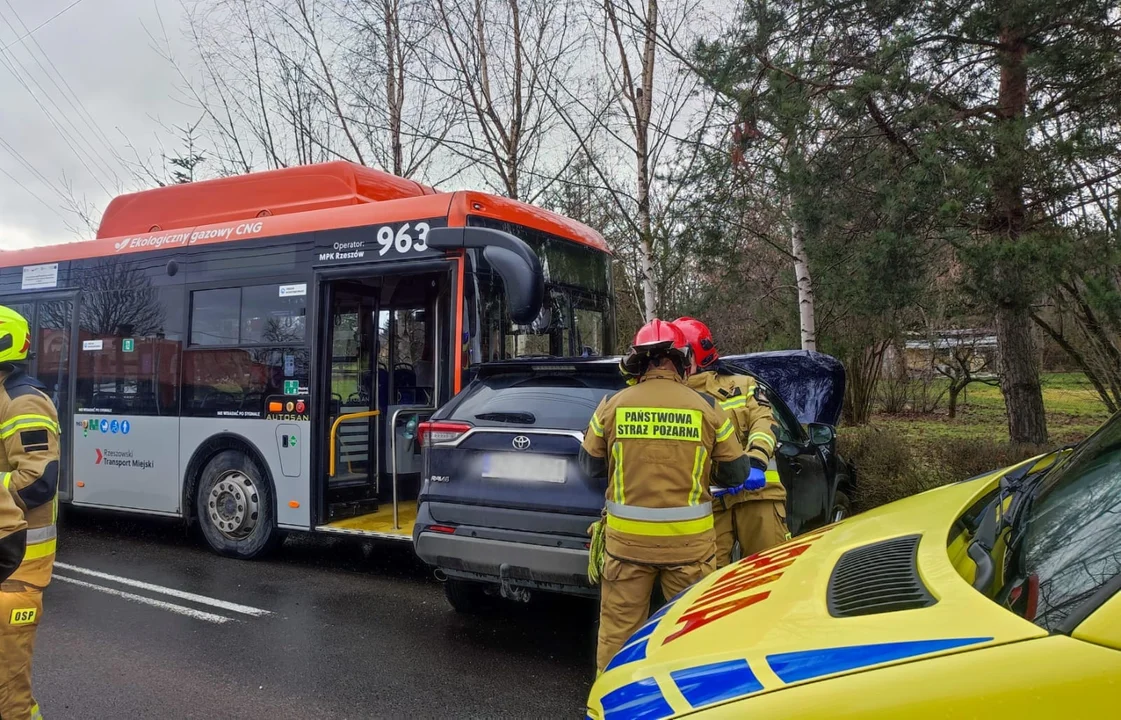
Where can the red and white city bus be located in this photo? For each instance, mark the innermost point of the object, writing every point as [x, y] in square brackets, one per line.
[253, 353]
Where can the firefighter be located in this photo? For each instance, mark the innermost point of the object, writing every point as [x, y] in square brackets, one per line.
[13, 535]
[755, 515]
[29, 467]
[655, 442]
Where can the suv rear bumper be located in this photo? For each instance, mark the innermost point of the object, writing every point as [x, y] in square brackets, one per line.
[541, 561]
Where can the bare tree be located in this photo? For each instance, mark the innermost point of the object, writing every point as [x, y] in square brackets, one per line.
[118, 299]
[500, 62]
[962, 363]
[401, 111]
[633, 110]
[311, 80]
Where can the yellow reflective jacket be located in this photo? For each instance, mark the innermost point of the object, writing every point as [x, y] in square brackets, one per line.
[743, 400]
[13, 535]
[659, 439]
[29, 468]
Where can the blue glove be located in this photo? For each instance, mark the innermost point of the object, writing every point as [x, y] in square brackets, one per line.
[756, 479]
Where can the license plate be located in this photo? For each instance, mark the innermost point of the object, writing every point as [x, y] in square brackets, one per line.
[542, 468]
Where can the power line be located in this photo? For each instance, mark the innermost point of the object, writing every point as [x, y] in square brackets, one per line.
[80, 107]
[34, 195]
[91, 152]
[40, 25]
[50, 117]
[31, 168]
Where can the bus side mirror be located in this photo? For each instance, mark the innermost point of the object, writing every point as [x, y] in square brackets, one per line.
[514, 261]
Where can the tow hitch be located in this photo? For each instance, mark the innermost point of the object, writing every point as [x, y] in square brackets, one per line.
[509, 591]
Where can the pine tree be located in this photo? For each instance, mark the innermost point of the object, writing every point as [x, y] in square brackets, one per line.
[1001, 115]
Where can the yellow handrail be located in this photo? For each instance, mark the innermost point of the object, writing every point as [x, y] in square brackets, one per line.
[335, 429]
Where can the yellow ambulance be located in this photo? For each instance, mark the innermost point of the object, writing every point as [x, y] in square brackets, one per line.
[999, 595]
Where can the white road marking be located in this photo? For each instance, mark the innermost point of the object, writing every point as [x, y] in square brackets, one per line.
[182, 595]
[172, 607]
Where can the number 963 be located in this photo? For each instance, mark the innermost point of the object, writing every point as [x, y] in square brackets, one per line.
[403, 241]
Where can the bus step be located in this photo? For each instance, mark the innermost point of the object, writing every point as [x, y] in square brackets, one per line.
[351, 508]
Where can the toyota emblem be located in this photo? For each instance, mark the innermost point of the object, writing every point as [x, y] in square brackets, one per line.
[521, 442]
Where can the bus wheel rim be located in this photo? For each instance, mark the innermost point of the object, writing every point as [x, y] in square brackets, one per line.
[233, 505]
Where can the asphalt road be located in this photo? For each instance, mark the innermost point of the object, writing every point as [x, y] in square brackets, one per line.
[142, 621]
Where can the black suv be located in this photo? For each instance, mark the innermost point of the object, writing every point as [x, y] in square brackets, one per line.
[504, 505]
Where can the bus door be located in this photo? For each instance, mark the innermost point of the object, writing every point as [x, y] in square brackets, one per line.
[51, 321]
[388, 336]
[351, 397]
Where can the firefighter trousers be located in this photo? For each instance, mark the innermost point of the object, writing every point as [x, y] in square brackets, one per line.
[755, 524]
[20, 609]
[625, 591]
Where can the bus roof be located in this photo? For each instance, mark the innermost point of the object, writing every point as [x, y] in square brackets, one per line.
[307, 198]
[244, 197]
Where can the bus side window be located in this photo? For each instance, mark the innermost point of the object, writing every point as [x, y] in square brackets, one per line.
[128, 361]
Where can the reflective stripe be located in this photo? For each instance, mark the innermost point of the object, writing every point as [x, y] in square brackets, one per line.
[734, 403]
[6, 478]
[28, 425]
[765, 437]
[596, 426]
[30, 416]
[617, 476]
[725, 431]
[660, 529]
[698, 465]
[38, 535]
[36, 714]
[772, 473]
[673, 514]
[23, 422]
[40, 550]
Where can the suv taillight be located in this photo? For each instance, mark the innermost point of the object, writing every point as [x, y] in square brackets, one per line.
[432, 432]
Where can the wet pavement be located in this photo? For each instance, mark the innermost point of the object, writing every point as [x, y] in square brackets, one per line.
[144, 621]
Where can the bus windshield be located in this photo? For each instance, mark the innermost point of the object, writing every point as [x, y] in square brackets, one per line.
[577, 316]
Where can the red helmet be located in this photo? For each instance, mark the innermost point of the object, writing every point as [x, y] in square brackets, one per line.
[699, 338]
[656, 337]
[659, 335]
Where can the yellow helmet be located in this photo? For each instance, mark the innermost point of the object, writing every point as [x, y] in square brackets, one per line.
[15, 337]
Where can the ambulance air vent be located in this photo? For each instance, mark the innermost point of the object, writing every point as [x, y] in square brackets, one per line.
[878, 578]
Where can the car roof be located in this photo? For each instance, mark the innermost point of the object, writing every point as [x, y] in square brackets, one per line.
[548, 363]
[812, 384]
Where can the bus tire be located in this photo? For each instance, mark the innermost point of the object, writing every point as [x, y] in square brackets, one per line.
[235, 507]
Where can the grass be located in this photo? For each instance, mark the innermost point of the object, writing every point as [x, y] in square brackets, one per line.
[901, 454]
[1073, 412]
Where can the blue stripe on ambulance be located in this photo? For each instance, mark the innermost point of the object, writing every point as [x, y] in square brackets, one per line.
[643, 632]
[635, 650]
[708, 684]
[808, 664]
[630, 653]
[641, 700]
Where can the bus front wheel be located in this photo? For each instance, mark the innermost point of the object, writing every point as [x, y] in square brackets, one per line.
[235, 507]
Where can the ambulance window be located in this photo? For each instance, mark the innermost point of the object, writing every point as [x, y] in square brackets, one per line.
[1072, 540]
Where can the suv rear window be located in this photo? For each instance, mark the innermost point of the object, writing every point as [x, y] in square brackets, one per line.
[544, 400]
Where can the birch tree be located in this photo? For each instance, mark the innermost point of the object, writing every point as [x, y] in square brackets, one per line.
[498, 63]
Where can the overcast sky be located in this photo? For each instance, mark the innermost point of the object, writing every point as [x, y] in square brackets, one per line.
[103, 52]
